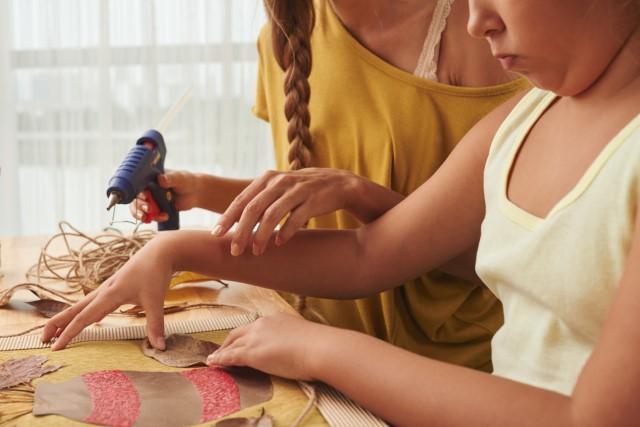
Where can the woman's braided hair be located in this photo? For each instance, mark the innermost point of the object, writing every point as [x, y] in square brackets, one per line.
[292, 22]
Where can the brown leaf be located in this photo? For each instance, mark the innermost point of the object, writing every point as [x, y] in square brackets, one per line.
[38, 290]
[19, 371]
[49, 307]
[181, 351]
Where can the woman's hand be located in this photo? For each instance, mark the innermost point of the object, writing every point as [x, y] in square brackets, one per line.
[281, 345]
[142, 281]
[187, 187]
[301, 195]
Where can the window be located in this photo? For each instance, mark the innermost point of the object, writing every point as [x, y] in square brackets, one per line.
[84, 78]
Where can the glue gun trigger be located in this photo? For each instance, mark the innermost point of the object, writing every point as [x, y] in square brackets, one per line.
[153, 211]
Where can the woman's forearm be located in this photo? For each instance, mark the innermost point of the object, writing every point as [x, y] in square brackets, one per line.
[216, 193]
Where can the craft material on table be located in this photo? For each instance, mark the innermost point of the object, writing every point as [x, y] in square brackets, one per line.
[87, 261]
[59, 280]
[181, 351]
[16, 391]
[21, 371]
[287, 402]
[222, 321]
[263, 420]
[125, 398]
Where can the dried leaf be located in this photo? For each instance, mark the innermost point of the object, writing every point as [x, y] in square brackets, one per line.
[136, 310]
[19, 371]
[181, 351]
[40, 291]
[49, 307]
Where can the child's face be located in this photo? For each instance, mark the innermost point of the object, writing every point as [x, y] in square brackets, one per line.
[560, 45]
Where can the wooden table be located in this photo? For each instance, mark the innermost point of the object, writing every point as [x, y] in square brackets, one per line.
[19, 253]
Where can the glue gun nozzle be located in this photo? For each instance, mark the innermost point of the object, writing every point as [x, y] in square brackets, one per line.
[113, 200]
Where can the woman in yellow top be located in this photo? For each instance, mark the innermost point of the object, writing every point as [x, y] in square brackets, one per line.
[394, 86]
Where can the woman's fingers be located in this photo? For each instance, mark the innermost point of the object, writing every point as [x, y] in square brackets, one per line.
[250, 216]
[236, 207]
[272, 217]
[139, 206]
[297, 219]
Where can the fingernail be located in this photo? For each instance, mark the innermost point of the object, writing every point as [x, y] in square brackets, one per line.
[217, 230]
[235, 249]
[144, 207]
[161, 344]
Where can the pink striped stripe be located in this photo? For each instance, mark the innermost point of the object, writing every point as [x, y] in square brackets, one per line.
[218, 391]
[114, 398]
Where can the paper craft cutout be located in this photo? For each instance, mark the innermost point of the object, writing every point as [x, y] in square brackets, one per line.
[21, 371]
[125, 398]
[181, 351]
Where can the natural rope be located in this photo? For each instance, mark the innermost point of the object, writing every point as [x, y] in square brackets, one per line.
[86, 264]
[16, 402]
[313, 399]
[94, 261]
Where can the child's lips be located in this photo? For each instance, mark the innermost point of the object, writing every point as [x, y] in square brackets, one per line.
[506, 60]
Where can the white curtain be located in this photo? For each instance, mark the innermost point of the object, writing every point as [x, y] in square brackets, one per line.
[80, 80]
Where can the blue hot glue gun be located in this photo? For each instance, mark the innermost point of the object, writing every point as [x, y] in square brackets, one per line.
[138, 173]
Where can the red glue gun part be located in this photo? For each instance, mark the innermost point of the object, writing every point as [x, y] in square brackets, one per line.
[153, 212]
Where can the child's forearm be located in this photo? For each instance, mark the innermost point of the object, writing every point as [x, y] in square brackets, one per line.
[406, 389]
[323, 263]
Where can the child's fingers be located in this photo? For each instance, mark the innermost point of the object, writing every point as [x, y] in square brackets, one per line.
[234, 335]
[61, 320]
[234, 356]
[155, 325]
[95, 311]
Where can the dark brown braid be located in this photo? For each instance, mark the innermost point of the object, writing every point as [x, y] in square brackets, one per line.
[292, 22]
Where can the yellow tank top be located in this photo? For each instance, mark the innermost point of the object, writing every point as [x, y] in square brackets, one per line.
[395, 129]
[556, 276]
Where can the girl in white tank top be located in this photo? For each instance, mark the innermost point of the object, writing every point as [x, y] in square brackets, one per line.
[550, 191]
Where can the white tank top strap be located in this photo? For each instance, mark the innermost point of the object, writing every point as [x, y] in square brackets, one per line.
[427, 67]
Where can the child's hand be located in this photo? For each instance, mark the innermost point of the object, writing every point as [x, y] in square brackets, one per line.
[187, 189]
[281, 345]
[142, 280]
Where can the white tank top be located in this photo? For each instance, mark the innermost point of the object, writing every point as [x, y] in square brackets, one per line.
[556, 276]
